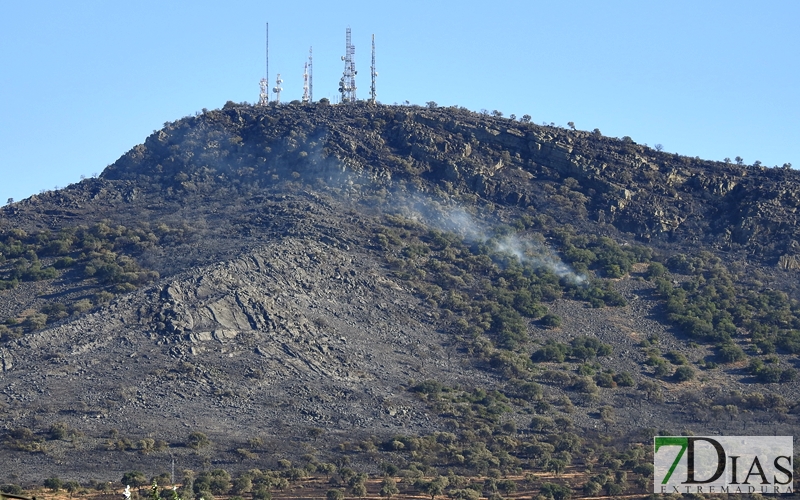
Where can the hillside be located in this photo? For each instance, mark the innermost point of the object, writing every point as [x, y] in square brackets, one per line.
[418, 290]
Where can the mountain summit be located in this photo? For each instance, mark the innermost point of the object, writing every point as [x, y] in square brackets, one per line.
[428, 289]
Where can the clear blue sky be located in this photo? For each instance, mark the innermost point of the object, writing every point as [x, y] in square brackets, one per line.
[83, 81]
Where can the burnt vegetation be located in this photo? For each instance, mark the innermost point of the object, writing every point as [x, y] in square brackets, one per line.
[568, 296]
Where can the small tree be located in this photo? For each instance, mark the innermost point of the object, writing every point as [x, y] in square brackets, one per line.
[197, 440]
[359, 490]
[684, 373]
[335, 494]
[551, 320]
[389, 488]
[658, 147]
[72, 487]
[134, 478]
[53, 483]
[432, 104]
[556, 491]
[571, 125]
[739, 160]
[526, 118]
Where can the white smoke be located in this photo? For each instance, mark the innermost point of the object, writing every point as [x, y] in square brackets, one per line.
[458, 220]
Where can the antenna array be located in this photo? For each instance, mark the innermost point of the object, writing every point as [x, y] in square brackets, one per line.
[347, 85]
[278, 89]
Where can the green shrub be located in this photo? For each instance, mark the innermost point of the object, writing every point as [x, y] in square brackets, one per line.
[12, 489]
[655, 270]
[551, 321]
[197, 440]
[584, 348]
[624, 379]
[334, 494]
[53, 483]
[552, 351]
[730, 353]
[677, 358]
[684, 373]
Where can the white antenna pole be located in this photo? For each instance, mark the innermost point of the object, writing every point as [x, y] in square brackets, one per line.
[278, 89]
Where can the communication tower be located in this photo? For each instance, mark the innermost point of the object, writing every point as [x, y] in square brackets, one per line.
[305, 85]
[263, 96]
[347, 85]
[278, 89]
[372, 93]
[310, 77]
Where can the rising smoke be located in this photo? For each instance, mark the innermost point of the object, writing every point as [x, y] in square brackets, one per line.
[456, 219]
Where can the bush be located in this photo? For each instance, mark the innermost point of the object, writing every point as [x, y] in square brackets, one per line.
[53, 483]
[624, 379]
[677, 358]
[134, 479]
[12, 489]
[684, 373]
[64, 262]
[556, 491]
[197, 440]
[431, 387]
[359, 490]
[585, 385]
[552, 351]
[551, 320]
[59, 430]
[655, 270]
[730, 353]
[334, 494]
[605, 380]
[585, 348]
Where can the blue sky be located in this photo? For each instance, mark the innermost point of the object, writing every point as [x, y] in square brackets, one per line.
[84, 81]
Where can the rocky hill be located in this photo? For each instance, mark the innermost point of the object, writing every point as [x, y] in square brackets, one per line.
[429, 289]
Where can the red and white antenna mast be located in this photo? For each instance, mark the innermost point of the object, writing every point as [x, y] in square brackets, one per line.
[347, 85]
[263, 96]
[305, 85]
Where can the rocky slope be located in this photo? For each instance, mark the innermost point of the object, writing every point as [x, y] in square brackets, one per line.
[297, 299]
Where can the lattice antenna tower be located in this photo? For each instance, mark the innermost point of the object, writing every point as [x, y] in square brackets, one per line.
[305, 84]
[372, 93]
[310, 77]
[263, 96]
[347, 85]
[278, 89]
